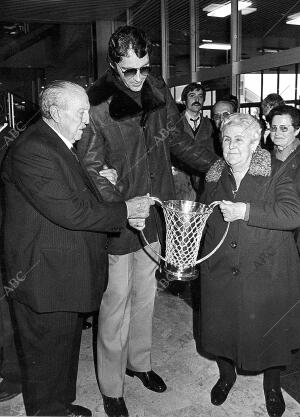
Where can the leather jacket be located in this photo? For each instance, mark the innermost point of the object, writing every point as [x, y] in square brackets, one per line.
[136, 138]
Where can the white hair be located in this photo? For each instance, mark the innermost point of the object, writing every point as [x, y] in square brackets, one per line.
[55, 95]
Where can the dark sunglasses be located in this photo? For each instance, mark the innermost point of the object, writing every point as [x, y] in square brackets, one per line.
[131, 72]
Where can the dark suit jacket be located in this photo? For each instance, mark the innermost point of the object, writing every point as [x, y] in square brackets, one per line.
[54, 226]
[204, 136]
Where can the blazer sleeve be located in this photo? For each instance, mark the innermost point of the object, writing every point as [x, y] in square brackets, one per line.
[40, 178]
[191, 152]
[281, 214]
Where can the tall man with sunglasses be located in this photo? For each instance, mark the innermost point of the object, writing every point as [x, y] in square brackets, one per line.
[134, 126]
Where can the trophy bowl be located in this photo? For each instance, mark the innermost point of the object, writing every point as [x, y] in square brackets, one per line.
[185, 222]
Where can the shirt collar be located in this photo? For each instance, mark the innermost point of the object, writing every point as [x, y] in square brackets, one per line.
[189, 117]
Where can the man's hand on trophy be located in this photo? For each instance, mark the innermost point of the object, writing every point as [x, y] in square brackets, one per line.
[138, 207]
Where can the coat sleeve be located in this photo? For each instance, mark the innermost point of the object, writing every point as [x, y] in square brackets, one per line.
[283, 213]
[93, 153]
[196, 154]
[39, 177]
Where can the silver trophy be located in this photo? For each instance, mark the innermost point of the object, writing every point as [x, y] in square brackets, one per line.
[185, 221]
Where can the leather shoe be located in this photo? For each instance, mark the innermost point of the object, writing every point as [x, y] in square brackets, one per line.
[77, 411]
[86, 325]
[9, 390]
[115, 407]
[274, 402]
[220, 391]
[149, 379]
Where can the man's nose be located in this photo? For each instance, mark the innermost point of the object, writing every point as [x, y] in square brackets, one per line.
[86, 118]
[137, 76]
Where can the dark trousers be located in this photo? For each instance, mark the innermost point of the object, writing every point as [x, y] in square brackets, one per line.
[49, 354]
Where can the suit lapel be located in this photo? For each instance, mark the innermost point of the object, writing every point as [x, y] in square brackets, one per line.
[55, 142]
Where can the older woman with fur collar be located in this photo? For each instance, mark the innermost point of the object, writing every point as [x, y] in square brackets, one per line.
[250, 287]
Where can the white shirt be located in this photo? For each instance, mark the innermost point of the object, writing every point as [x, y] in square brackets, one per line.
[190, 122]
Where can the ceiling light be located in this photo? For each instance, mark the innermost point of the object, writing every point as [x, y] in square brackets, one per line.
[223, 10]
[214, 45]
[293, 19]
[268, 51]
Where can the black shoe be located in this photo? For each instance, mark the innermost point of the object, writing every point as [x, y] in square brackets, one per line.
[86, 325]
[220, 391]
[274, 402]
[115, 407]
[77, 411]
[150, 380]
[9, 390]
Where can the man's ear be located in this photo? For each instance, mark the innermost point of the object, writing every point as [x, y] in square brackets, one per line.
[54, 113]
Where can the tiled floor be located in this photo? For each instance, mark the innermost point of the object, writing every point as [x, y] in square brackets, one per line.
[188, 374]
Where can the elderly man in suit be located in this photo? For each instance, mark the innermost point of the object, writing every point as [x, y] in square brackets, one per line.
[54, 239]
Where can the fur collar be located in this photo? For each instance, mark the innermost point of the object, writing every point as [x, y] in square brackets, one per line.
[121, 105]
[260, 166]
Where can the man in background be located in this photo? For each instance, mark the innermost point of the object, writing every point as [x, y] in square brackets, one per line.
[220, 111]
[188, 181]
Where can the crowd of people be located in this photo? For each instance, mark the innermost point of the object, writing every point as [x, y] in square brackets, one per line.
[77, 189]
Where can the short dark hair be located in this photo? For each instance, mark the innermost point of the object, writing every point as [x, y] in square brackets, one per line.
[286, 110]
[125, 38]
[191, 87]
[273, 100]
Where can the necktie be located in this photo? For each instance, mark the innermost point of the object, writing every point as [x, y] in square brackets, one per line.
[195, 121]
[72, 149]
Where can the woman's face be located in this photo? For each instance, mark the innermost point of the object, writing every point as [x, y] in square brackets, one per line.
[282, 131]
[238, 146]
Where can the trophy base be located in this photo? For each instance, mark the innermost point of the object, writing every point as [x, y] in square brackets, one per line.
[180, 274]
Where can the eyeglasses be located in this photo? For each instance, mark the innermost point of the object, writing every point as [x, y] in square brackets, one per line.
[223, 115]
[131, 72]
[282, 128]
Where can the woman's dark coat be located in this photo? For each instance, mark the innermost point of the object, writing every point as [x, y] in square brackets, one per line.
[292, 164]
[250, 287]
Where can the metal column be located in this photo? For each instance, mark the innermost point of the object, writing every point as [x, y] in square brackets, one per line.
[235, 47]
[164, 40]
[194, 41]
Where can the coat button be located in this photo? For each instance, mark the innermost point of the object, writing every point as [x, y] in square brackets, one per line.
[235, 271]
[233, 244]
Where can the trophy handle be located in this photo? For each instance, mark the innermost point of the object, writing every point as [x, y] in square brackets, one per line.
[157, 200]
[213, 205]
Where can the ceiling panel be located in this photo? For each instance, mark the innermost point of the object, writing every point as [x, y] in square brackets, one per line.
[69, 11]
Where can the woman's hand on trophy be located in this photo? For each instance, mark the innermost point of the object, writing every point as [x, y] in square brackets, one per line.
[138, 207]
[233, 211]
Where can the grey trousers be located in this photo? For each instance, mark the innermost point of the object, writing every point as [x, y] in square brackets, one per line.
[125, 319]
